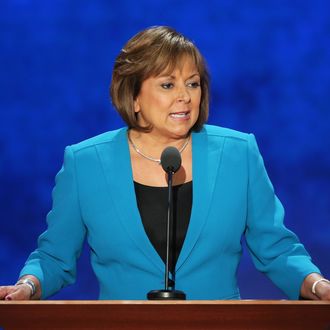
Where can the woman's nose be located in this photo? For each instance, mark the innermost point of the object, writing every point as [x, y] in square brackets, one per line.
[183, 95]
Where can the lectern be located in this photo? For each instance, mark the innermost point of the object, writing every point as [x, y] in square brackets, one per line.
[172, 315]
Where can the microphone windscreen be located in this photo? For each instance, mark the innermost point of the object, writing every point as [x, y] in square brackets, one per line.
[170, 159]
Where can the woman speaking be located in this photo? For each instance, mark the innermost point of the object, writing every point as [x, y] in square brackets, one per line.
[112, 191]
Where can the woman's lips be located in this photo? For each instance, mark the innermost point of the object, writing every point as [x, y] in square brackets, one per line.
[183, 115]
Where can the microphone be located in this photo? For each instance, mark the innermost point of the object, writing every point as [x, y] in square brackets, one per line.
[170, 160]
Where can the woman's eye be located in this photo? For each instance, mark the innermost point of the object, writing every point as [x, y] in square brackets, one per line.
[167, 85]
[194, 84]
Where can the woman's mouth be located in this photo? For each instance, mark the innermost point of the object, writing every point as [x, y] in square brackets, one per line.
[180, 115]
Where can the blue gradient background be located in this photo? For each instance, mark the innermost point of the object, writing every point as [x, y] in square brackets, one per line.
[270, 68]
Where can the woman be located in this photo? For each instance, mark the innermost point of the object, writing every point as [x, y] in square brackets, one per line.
[111, 190]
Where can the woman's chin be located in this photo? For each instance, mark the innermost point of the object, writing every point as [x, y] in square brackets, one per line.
[181, 130]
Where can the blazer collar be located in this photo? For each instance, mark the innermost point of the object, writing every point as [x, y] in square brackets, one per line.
[206, 159]
[116, 161]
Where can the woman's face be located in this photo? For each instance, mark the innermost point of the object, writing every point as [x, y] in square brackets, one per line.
[170, 102]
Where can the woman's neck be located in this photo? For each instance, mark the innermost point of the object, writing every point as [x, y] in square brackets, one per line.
[152, 144]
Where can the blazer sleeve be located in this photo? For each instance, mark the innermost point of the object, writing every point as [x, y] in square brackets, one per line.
[275, 250]
[54, 260]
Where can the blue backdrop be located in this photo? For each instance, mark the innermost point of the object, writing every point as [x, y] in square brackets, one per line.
[270, 68]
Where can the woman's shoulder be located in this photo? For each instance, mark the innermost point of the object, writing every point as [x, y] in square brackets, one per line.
[219, 131]
[106, 137]
[235, 140]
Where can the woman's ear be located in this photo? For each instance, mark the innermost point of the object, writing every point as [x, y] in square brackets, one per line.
[137, 107]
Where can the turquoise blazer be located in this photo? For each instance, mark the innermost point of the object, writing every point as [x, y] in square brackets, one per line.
[94, 197]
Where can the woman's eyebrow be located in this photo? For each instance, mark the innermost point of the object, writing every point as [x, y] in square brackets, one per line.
[173, 77]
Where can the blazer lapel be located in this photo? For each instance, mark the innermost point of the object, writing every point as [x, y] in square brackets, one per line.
[206, 160]
[116, 162]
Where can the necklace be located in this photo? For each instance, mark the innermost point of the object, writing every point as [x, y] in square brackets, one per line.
[156, 160]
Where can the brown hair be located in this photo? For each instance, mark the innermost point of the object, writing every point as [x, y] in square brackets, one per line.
[148, 54]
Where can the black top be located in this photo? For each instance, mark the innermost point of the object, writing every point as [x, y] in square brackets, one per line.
[152, 204]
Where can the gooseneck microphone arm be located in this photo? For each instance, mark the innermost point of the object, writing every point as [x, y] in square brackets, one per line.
[171, 162]
[168, 228]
